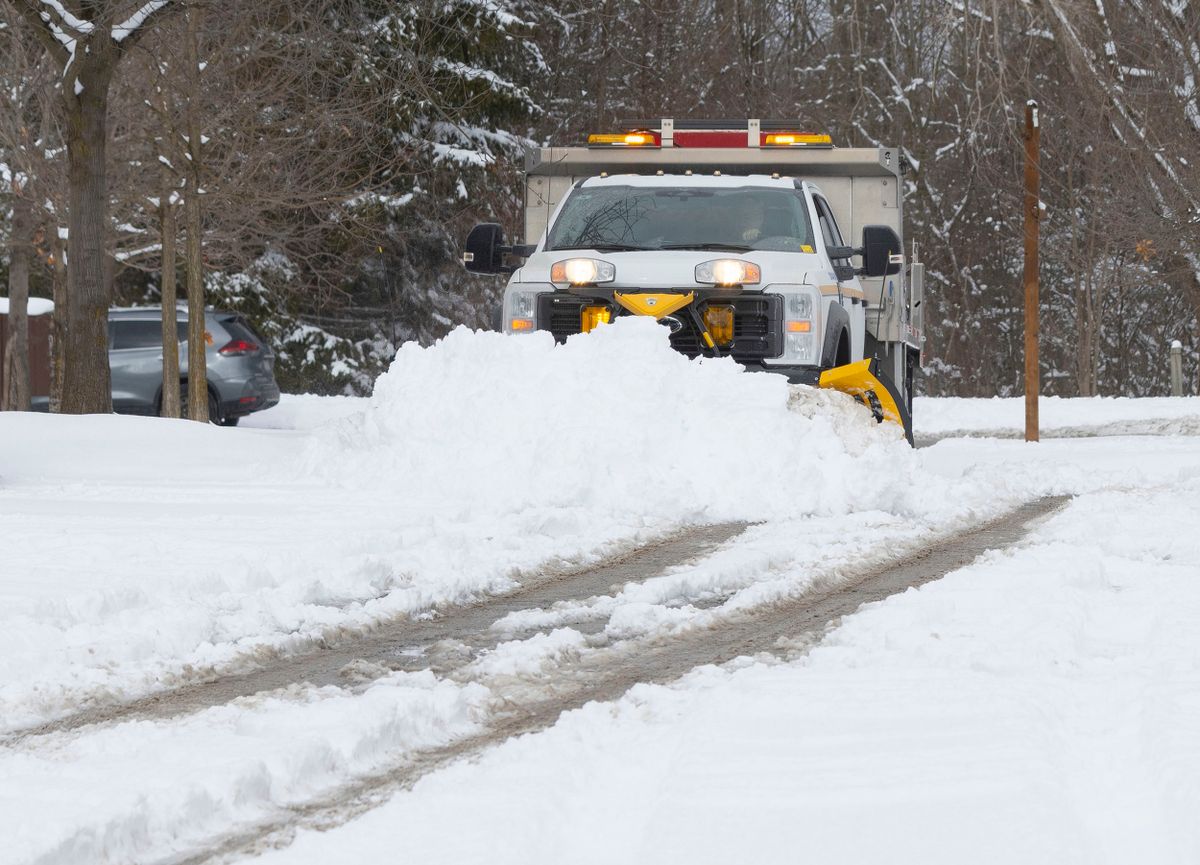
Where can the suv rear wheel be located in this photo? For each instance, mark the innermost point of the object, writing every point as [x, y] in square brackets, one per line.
[214, 407]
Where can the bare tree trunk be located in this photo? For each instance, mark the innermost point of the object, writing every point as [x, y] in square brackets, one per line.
[58, 320]
[87, 384]
[16, 395]
[170, 335]
[197, 334]
[87, 52]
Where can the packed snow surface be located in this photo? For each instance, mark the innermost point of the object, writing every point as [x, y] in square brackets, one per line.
[304, 412]
[1040, 705]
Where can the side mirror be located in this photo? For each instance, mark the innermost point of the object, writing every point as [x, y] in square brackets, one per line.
[484, 249]
[881, 250]
[839, 257]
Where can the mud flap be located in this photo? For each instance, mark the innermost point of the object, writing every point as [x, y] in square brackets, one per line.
[864, 381]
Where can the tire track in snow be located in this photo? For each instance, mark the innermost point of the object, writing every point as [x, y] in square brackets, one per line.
[376, 649]
[786, 628]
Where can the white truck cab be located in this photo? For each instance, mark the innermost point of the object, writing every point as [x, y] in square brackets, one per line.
[736, 236]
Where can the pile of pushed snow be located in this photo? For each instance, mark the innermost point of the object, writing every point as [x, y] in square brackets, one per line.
[611, 421]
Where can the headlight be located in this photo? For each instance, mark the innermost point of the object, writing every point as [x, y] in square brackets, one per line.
[728, 272]
[521, 312]
[800, 328]
[582, 271]
[800, 306]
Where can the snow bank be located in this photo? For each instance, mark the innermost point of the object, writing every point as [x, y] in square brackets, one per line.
[614, 422]
[947, 416]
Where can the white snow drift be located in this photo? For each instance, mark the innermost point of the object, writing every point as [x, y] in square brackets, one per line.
[149, 551]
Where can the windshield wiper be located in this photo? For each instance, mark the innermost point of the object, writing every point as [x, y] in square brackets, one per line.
[730, 247]
[607, 247]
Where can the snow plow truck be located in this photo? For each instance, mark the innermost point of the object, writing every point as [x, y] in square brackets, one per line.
[736, 235]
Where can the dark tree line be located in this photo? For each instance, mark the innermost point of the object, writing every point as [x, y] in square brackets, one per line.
[947, 81]
[315, 164]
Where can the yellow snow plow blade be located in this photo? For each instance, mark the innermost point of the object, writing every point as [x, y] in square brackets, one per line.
[861, 381]
[656, 305]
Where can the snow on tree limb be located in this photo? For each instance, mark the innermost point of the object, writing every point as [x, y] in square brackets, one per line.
[64, 15]
[134, 22]
[49, 32]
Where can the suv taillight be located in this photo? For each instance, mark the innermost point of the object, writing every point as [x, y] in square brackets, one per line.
[238, 347]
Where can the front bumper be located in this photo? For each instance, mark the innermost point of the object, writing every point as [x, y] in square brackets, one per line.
[810, 375]
[757, 320]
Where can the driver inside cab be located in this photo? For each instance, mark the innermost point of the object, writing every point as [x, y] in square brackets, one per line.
[747, 216]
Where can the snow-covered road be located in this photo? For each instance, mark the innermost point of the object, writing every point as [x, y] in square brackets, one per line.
[1041, 704]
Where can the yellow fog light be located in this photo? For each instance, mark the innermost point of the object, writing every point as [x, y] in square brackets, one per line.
[719, 321]
[728, 272]
[591, 316]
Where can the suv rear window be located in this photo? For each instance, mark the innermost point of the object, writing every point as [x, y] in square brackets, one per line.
[241, 328]
[140, 333]
[136, 334]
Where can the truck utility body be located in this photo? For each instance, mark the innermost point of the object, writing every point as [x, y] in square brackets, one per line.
[741, 247]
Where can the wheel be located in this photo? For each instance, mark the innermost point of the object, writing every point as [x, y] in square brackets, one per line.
[214, 407]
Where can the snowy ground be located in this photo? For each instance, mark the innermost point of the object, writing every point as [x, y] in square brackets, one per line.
[1005, 417]
[1041, 705]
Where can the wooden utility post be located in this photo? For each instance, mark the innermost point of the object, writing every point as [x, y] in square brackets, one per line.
[1032, 218]
[1176, 365]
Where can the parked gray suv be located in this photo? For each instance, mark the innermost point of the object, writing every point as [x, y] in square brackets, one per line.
[241, 377]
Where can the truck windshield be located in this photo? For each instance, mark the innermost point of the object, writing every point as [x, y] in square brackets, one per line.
[677, 217]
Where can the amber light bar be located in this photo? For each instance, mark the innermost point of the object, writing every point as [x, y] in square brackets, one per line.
[794, 139]
[636, 138]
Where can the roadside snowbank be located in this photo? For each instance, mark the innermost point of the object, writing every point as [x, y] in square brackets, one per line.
[947, 416]
[1038, 706]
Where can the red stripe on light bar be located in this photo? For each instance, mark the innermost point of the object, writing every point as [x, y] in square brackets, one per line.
[710, 139]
